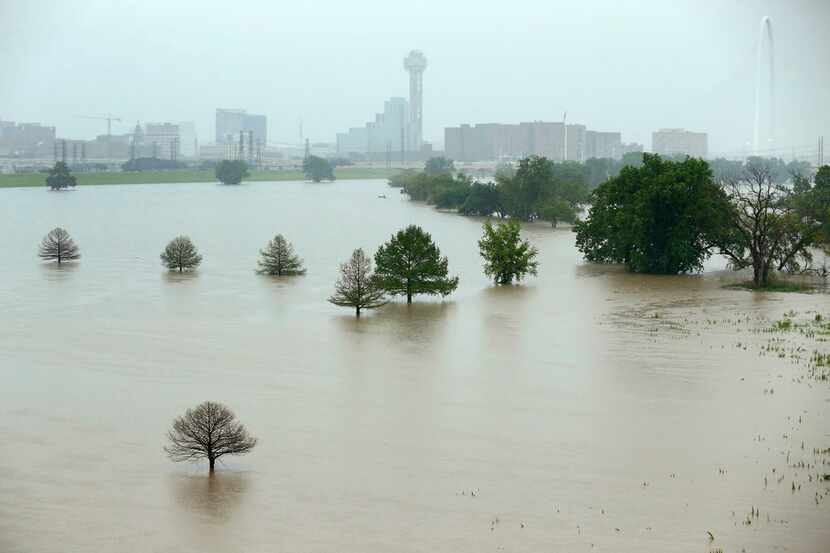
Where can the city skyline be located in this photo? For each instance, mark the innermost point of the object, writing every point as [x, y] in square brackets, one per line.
[621, 83]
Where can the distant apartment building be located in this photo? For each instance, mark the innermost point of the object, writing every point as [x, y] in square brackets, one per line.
[554, 140]
[387, 133]
[670, 142]
[230, 122]
[162, 140]
[188, 143]
[26, 139]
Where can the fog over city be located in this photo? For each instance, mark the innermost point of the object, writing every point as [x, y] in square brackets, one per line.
[631, 67]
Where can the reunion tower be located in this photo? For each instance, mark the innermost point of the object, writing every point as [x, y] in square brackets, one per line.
[415, 63]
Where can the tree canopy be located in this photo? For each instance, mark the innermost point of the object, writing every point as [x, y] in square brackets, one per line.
[317, 169]
[410, 263]
[231, 171]
[58, 246]
[356, 286]
[773, 226]
[278, 258]
[506, 255]
[181, 255]
[664, 217]
[439, 166]
[59, 177]
[208, 431]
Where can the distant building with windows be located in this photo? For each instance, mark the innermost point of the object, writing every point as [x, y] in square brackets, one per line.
[671, 142]
[230, 122]
[387, 133]
[162, 140]
[26, 139]
[554, 140]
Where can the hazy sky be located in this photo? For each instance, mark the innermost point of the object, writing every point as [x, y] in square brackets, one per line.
[631, 66]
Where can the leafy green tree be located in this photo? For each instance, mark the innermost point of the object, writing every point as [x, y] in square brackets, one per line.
[58, 246]
[664, 217]
[773, 226]
[438, 166]
[483, 200]
[451, 194]
[522, 193]
[356, 286]
[410, 263]
[506, 255]
[317, 169]
[278, 258]
[400, 180]
[231, 171]
[557, 211]
[180, 255]
[59, 177]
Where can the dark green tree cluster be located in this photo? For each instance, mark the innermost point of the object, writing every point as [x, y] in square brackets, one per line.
[59, 177]
[663, 217]
[538, 189]
[317, 169]
[669, 216]
[231, 171]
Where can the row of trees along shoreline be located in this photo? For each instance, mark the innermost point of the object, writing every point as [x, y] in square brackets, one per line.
[227, 171]
[653, 214]
[408, 265]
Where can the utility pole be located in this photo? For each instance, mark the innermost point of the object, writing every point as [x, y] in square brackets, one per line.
[251, 147]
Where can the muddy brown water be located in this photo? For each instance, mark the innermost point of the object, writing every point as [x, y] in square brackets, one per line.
[586, 410]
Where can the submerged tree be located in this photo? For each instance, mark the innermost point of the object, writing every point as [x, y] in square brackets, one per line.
[59, 177]
[438, 165]
[278, 258]
[58, 246]
[181, 255]
[410, 263]
[506, 255]
[231, 171]
[356, 286]
[773, 226]
[208, 431]
[317, 169]
[664, 217]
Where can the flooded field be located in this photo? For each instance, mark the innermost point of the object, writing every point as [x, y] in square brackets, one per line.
[587, 410]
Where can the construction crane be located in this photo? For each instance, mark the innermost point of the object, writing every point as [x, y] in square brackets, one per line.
[109, 118]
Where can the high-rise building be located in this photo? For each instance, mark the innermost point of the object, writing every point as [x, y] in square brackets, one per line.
[188, 144]
[229, 122]
[494, 141]
[671, 142]
[387, 133]
[163, 140]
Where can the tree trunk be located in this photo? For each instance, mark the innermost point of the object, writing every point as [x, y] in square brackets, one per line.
[408, 293]
[357, 310]
[212, 464]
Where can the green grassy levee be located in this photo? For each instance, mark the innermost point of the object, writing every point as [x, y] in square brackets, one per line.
[24, 180]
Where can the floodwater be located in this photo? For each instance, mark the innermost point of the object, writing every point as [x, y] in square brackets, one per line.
[586, 410]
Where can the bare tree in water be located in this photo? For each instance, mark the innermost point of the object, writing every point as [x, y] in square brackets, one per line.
[356, 286]
[58, 246]
[208, 431]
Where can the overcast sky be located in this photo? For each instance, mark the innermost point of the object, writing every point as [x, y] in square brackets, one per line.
[630, 66]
